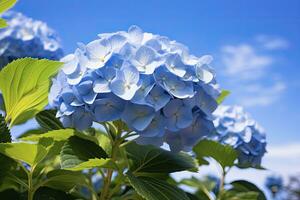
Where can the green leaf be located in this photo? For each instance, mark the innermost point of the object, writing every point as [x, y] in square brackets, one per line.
[56, 135]
[46, 193]
[93, 163]
[64, 180]
[224, 154]
[24, 84]
[29, 153]
[222, 96]
[245, 186]
[155, 189]
[233, 195]
[147, 158]
[77, 150]
[48, 121]
[3, 23]
[6, 4]
[4, 131]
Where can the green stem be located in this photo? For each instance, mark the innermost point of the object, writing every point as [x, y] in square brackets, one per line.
[222, 181]
[31, 189]
[91, 187]
[105, 192]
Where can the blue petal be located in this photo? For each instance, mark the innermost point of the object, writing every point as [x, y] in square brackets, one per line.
[138, 116]
[175, 65]
[158, 98]
[155, 128]
[101, 86]
[135, 34]
[108, 109]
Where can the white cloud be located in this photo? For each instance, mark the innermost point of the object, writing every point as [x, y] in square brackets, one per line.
[249, 71]
[243, 62]
[272, 42]
[259, 95]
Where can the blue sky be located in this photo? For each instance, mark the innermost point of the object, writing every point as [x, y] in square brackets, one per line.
[256, 46]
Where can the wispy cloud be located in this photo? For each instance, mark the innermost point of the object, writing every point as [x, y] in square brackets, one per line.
[243, 62]
[272, 42]
[257, 94]
[248, 70]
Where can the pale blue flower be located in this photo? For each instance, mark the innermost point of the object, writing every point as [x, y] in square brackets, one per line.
[146, 60]
[156, 128]
[98, 52]
[26, 37]
[108, 108]
[125, 84]
[150, 82]
[157, 98]
[178, 116]
[146, 83]
[103, 78]
[80, 119]
[175, 65]
[235, 128]
[138, 117]
[84, 90]
[173, 84]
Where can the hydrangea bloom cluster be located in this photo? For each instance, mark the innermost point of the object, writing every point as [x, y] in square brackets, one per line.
[274, 183]
[236, 128]
[151, 83]
[25, 37]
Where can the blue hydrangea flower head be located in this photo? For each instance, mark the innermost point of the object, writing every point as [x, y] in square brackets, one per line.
[153, 84]
[26, 37]
[274, 183]
[236, 128]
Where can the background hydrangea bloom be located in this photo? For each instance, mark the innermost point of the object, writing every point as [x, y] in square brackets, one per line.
[150, 82]
[274, 183]
[235, 127]
[26, 37]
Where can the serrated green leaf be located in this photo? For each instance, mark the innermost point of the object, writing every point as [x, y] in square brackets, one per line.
[56, 135]
[48, 121]
[3, 23]
[4, 131]
[6, 4]
[222, 96]
[29, 153]
[246, 186]
[147, 158]
[24, 84]
[94, 163]
[223, 154]
[64, 180]
[155, 189]
[77, 150]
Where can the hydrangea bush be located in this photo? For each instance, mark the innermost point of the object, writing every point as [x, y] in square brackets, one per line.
[150, 82]
[26, 37]
[134, 84]
[236, 128]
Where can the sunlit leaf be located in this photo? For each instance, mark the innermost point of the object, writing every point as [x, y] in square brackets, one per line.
[224, 154]
[24, 84]
[6, 4]
[29, 153]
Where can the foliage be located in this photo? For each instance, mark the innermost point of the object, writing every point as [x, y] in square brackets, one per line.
[4, 6]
